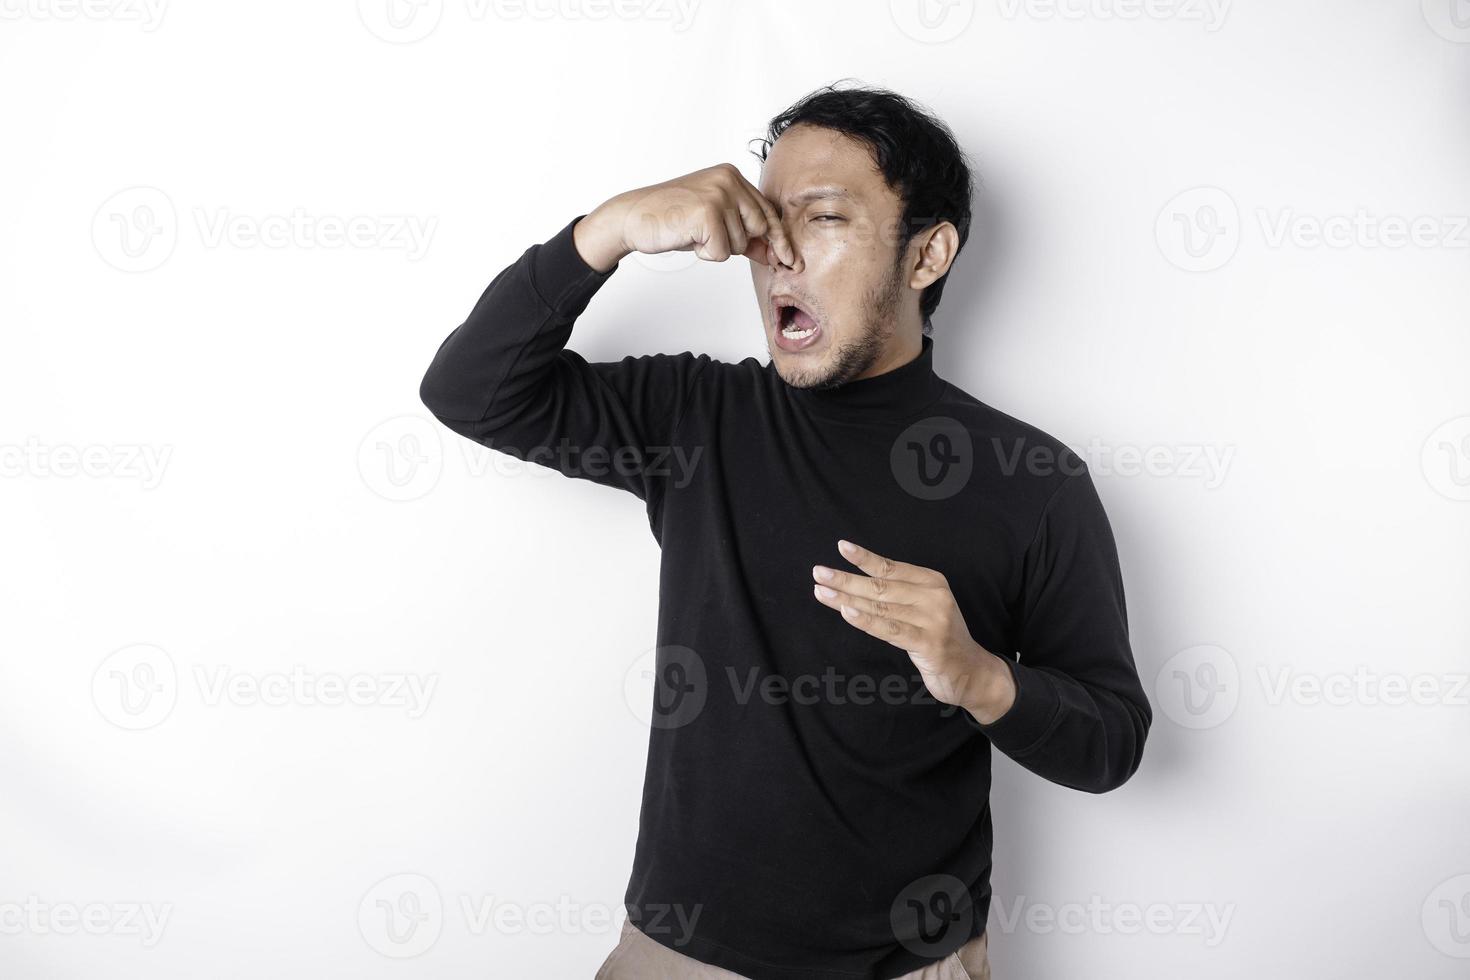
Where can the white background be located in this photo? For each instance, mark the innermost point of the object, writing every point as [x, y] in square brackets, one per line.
[217, 469]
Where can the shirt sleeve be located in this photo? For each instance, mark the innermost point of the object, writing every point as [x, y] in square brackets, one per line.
[1080, 716]
[505, 379]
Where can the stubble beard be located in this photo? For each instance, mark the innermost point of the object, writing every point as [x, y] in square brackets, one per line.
[854, 357]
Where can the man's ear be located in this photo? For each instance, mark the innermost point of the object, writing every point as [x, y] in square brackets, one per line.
[933, 251]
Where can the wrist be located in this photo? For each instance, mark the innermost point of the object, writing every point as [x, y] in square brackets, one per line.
[994, 692]
[599, 239]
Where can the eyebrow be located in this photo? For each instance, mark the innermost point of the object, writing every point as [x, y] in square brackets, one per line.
[819, 194]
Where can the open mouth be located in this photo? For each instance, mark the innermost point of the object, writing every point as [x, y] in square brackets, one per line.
[797, 328]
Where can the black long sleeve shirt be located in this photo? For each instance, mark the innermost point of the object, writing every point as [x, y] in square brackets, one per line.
[808, 810]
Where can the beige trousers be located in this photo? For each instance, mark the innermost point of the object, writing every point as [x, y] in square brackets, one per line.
[636, 957]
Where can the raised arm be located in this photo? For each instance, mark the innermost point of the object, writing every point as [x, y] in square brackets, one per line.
[506, 379]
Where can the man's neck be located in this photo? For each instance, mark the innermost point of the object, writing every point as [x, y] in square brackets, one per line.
[903, 347]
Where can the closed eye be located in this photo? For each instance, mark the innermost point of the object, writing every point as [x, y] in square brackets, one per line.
[833, 217]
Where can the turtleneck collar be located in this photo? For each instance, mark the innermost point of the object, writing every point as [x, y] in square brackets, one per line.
[896, 394]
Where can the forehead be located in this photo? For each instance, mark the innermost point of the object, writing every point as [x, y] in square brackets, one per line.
[812, 163]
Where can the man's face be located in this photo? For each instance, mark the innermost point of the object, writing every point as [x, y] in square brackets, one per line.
[830, 320]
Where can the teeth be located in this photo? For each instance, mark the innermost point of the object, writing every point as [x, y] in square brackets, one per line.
[795, 334]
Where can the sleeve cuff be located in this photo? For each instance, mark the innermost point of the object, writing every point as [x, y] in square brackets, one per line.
[561, 277]
[1031, 718]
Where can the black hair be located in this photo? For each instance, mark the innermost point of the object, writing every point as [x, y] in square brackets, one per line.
[916, 153]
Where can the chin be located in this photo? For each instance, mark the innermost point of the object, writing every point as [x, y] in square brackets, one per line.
[803, 370]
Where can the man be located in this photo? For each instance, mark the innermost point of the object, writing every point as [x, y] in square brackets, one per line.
[855, 554]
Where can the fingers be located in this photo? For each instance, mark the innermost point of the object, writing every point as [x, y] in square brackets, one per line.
[893, 602]
[759, 251]
[730, 226]
[716, 244]
[769, 226]
[735, 231]
[903, 635]
[880, 567]
[902, 612]
[868, 586]
[760, 218]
